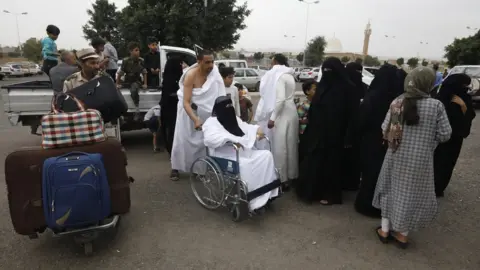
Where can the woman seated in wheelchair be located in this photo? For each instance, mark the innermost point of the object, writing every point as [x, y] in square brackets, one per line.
[257, 168]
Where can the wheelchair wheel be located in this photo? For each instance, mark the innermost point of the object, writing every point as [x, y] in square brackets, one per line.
[208, 186]
[239, 211]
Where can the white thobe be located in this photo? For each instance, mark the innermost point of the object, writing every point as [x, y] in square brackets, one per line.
[285, 136]
[187, 141]
[257, 167]
[232, 92]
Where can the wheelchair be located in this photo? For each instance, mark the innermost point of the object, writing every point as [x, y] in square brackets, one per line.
[225, 186]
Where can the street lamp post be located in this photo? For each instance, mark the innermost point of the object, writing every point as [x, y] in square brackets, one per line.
[306, 26]
[18, 29]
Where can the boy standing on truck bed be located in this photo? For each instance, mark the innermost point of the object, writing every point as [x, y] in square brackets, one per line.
[133, 67]
[152, 64]
[49, 49]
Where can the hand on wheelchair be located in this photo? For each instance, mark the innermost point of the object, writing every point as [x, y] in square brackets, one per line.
[260, 134]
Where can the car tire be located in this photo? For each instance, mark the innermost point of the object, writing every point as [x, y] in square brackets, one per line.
[316, 78]
[257, 87]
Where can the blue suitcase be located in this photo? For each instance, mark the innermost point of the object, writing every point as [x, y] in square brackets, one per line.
[75, 191]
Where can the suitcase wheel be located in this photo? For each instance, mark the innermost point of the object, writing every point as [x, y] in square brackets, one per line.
[88, 248]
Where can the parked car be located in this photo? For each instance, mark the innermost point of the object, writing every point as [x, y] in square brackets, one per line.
[260, 69]
[5, 71]
[16, 70]
[308, 74]
[248, 77]
[235, 63]
[39, 68]
[474, 72]
[297, 71]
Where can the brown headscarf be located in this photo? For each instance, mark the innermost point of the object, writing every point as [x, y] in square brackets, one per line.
[418, 84]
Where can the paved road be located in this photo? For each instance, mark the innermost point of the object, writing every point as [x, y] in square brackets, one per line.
[167, 229]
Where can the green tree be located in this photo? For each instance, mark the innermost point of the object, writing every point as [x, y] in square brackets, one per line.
[241, 56]
[315, 51]
[104, 16]
[226, 54]
[258, 56]
[400, 61]
[32, 49]
[412, 62]
[299, 57]
[424, 62]
[183, 23]
[371, 61]
[464, 51]
[345, 59]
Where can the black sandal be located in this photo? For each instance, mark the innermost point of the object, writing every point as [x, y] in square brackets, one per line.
[174, 175]
[398, 243]
[382, 238]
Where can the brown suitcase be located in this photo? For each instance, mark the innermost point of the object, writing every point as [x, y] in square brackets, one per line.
[23, 175]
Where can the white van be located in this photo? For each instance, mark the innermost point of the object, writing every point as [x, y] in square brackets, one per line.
[235, 63]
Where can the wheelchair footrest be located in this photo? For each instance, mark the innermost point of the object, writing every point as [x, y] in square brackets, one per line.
[262, 190]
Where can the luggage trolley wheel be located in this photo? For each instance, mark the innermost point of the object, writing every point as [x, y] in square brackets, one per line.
[86, 241]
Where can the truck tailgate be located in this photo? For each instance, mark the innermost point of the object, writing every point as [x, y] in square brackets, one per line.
[37, 101]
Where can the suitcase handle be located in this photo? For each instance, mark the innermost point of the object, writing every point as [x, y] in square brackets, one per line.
[69, 155]
[55, 98]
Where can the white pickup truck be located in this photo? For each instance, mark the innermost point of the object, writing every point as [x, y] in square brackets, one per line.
[27, 102]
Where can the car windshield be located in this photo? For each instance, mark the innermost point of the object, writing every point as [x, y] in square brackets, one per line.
[16, 66]
[306, 69]
[473, 72]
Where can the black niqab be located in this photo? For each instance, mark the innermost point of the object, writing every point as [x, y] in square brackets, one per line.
[354, 71]
[334, 74]
[455, 84]
[225, 113]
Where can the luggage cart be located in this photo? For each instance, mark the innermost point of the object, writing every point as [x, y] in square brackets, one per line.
[86, 236]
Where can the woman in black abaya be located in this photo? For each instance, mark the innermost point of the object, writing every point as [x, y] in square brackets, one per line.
[328, 132]
[387, 85]
[458, 104]
[168, 104]
[351, 156]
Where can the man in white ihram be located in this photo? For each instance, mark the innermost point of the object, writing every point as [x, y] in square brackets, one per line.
[200, 84]
[257, 167]
[277, 116]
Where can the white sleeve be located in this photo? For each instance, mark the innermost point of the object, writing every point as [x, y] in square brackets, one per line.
[149, 114]
[280, 97]
[236, 102]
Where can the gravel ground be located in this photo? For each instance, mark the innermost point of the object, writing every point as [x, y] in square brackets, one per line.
[167, 229]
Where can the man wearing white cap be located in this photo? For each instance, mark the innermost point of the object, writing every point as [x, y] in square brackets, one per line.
[88, 60]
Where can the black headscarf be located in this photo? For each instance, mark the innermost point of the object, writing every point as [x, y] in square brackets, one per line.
[171, 75]
[225, 113]
[388, 83]
[455, 84]
[333, 74]
[354, 71]
[385, 87]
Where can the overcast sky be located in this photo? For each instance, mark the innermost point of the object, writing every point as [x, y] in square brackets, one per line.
[437, 22]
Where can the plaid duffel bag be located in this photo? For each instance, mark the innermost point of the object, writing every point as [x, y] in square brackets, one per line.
[61, 129]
